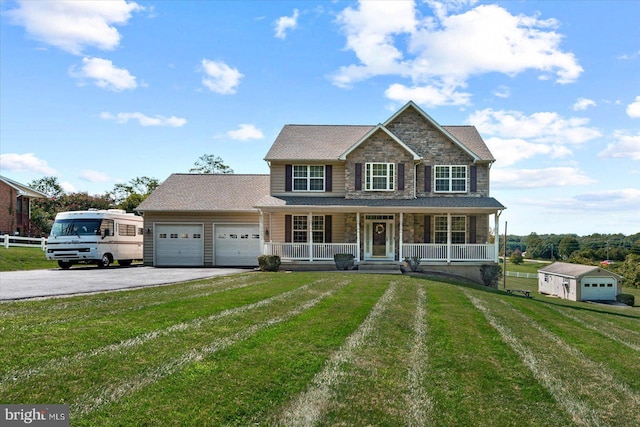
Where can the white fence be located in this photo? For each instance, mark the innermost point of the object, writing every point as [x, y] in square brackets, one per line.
[25, 242]
[524, 275]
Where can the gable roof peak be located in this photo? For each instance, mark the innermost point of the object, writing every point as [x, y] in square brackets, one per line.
[381, 127]
[435, 124]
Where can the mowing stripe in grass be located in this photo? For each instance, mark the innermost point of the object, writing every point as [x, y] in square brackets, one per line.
[95, 398]
[578, 411]
[602, 331]
[308, 408]
[19, 375]
[76, 318]
[604, 377]
[420, 404]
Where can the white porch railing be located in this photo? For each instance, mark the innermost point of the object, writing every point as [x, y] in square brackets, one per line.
[444, 252]
[306, 252]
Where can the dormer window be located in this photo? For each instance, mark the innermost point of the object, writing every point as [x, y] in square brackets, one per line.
[379, 176]
[308, 177]
[451, 179]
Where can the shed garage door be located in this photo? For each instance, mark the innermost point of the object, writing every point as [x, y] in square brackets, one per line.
[598, 288]
[237, 244]
[179, 245]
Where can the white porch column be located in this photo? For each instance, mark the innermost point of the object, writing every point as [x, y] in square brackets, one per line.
[310, 231]
[401, 239]
[496, 240]
[448, 237]
[358, 236]
[261, 232]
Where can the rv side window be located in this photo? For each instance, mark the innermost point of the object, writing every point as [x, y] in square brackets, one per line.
[106, 227]
[126, 230]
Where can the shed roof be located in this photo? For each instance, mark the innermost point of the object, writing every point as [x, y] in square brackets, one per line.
[572, 270]
[207, 192]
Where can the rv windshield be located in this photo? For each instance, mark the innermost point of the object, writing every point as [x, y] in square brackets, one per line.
[76, 227]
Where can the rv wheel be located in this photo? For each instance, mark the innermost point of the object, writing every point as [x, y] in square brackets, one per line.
[105, 261]
[65, 265]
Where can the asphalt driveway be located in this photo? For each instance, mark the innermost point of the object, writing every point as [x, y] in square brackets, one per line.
[77, 280]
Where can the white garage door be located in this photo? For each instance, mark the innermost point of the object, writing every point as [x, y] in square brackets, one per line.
[179, 245]
[598, 288]
[237, 244]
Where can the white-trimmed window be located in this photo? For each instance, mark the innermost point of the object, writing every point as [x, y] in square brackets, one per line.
[308, 177]
[458, 229]
[451, 179]
[379, 176]
[301, 228]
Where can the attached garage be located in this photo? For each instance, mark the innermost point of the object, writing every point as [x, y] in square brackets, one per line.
[179, 245]
[236, 244]
[578, 282]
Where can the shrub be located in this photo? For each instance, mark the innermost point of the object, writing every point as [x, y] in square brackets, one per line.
[490, 274]
[626, 299]
[269, 262]
[344, 261]
[413, 263]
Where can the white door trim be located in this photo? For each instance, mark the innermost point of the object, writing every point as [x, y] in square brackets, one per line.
[379, 224]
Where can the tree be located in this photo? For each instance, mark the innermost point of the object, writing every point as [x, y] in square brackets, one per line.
[210, 164]
[630, 271]
[568, 245]
[129, 195]
[516, 257]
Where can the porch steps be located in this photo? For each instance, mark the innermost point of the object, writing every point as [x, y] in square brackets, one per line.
[379, 268]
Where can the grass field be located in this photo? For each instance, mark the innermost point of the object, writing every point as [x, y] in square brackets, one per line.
[323, 349]
[19, 258]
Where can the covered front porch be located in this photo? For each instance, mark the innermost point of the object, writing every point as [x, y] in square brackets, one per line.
[432, 237]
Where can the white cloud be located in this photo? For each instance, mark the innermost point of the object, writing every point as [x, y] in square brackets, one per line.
[626, 199]
[73, 25]
[510, 151]
[27, 162]
[627, 146]
[220, 78]
[541, 127]
[502, 92]
[285, 23]
[245, 132]
[440, 53]
[428, 96]
[633, 109]
[583, 103]
[94, 176]
[537, 178]
[145, 120]
[104, 74]
[68, 187]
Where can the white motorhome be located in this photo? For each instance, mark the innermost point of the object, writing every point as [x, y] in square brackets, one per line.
[96, 237]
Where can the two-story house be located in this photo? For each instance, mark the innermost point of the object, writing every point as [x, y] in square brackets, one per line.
[408, 187]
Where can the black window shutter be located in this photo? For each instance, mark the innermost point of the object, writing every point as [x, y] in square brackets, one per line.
[358, 176]
[400, 176]
[427, 229]
[427, 179]
[287, 228]
[472, 229]
[474, 179]
[327, 228]
[288, 177]
[328, 178]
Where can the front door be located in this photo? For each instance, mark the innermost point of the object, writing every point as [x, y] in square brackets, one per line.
[379, 237]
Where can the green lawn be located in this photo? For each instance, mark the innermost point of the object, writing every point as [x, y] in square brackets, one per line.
[19, 258]
[323, 349]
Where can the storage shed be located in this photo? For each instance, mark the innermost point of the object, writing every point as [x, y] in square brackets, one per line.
[577, 282]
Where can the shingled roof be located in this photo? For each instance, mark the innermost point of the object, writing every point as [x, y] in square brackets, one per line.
[571, 270]
[329, 142]
[207, 192]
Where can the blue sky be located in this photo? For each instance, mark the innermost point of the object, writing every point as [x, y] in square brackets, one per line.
[98, 93]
